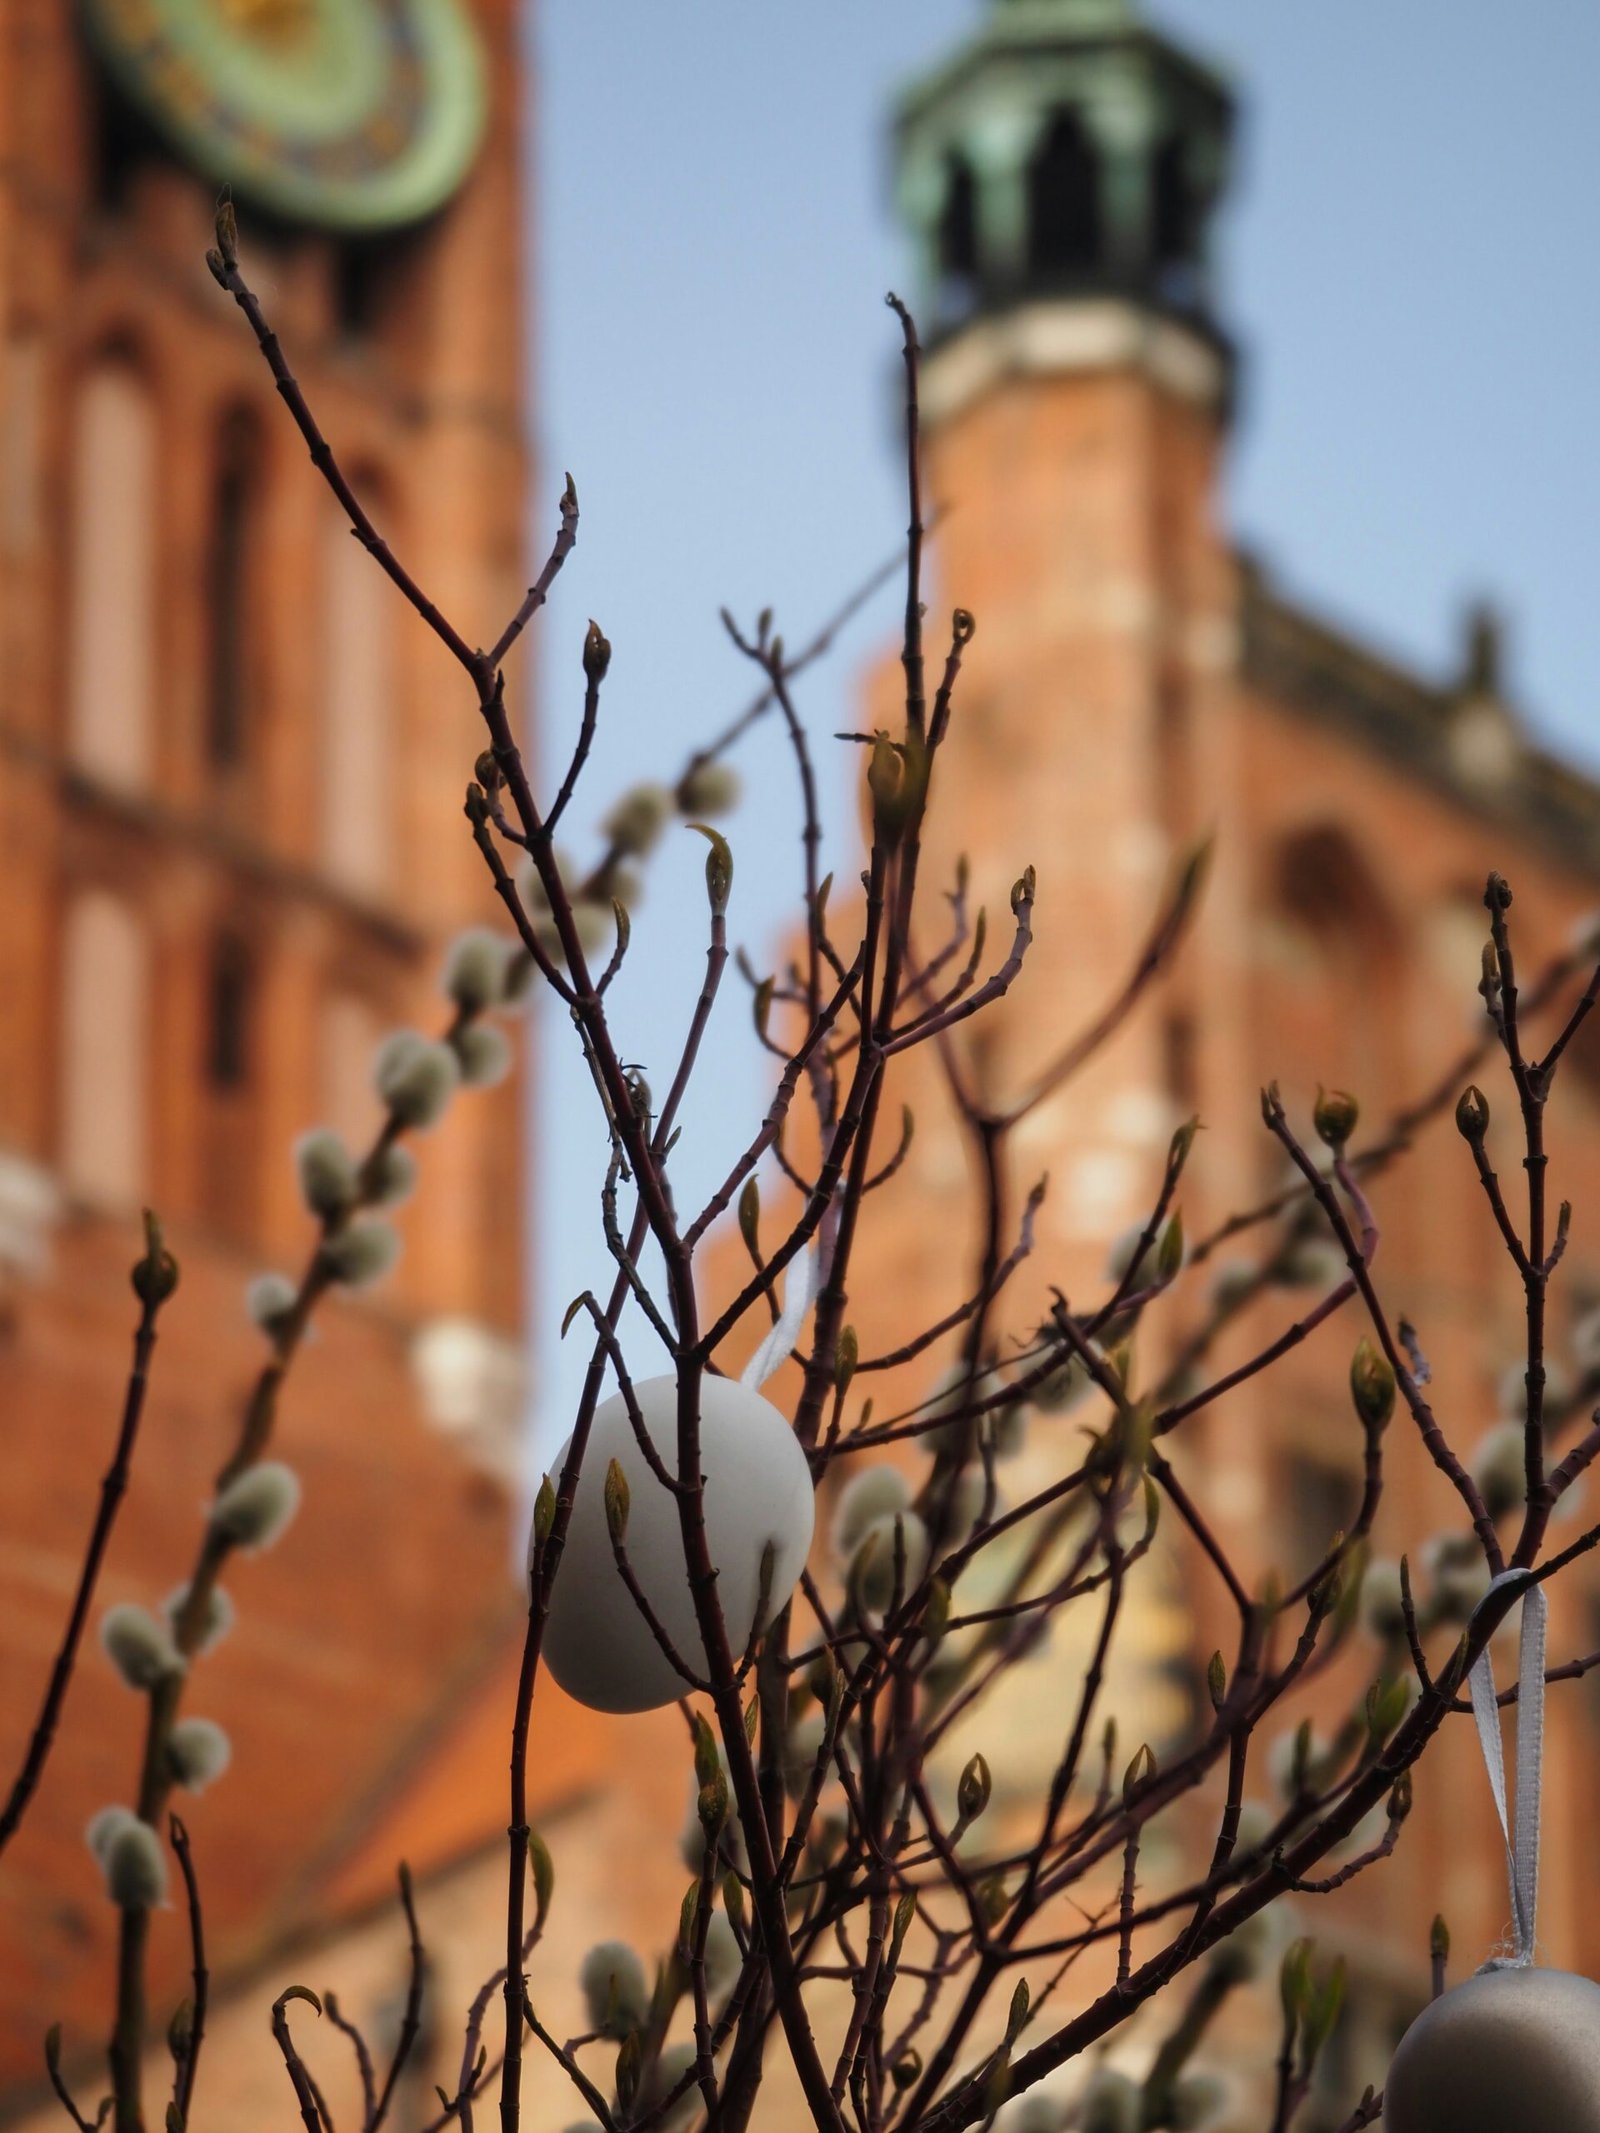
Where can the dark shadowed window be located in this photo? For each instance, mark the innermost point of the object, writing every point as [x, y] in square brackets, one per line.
[1064, 202]
[231, 586]
[228, 1025]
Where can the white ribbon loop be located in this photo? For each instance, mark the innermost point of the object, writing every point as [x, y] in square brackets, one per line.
[1522, 1849]
[799, 1289]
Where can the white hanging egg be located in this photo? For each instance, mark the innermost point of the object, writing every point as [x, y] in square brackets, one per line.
[1505, 2050]
[757, 1489]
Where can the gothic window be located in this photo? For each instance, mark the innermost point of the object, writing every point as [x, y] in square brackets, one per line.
[230, 1152]
[1064, 202]
[958, 223]
[1335, 949]
[104, 1049]
[351, 1028]
[1174, 222]
[112, 562]
[358, 722]
[232, 679]
[228, 1014]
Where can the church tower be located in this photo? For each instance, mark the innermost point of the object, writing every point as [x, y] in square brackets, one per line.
[1060, 175]
[231, 853]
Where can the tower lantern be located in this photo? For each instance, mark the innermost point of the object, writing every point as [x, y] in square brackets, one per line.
[1066, 152]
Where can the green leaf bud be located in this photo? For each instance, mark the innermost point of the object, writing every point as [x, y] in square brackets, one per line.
[616, 1501]
[1372, 1385]
[907, 2069]
[973, 1789]
[1472, 1114]
[1334, 1115]
[155, 1276]
[719, 868]
[543, 1869]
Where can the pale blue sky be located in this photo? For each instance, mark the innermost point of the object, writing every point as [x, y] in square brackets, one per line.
[1409, 265]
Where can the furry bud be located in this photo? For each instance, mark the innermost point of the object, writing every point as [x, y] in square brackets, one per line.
[104, 1826]
[878, 1577]
[1112, 2104]
[635, 823]
[708, 789]
[1499, 1467]
[724, 1956]
[269, 1300]
[521, 970]
[361, 1252]
[475, 969]
[216, 1619]
[138, 1646]
[871, 1493]
[327, 1173]
[1383, 1611]
[198, 1751]
[414, 1077]
[256, 1506]
[135, 1867]
[391, 1177]
[483, 1054]
[614, 1989]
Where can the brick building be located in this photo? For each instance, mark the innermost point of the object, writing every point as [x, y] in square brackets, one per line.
[214, 900]
[1136, 683]
[230, 852]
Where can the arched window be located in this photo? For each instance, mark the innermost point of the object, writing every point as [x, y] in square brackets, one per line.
[358, 719]
[1337, 965]
[230, 1151]
[228, 1014]
[104, 1049]
[1174, 221]
[1064, 202]
[112, 560]
[351, 1028]
[958, 221]
[232, 589]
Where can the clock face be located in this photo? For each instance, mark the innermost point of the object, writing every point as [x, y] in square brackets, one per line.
[355, 115]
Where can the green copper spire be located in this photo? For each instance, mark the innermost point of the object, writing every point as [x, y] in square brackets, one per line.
[1066, 151]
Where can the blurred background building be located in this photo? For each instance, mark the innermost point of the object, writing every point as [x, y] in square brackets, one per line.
[231, 850]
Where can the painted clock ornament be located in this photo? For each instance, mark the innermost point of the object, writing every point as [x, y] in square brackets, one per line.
[359, 116]
[757, 1489]
[1516, 2046]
